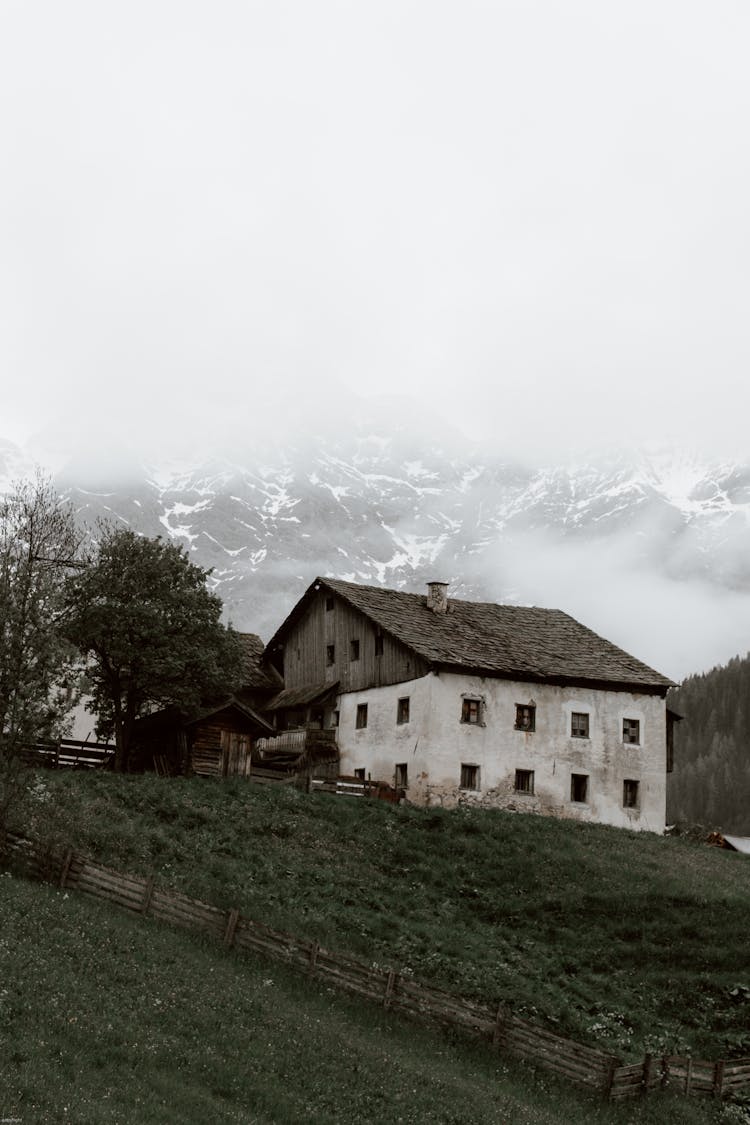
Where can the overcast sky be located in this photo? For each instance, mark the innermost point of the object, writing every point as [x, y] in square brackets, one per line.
[533, 214]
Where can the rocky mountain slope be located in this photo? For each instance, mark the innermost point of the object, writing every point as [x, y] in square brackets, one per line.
[398, 511]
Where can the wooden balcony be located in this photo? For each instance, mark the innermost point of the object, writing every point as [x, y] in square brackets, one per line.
[305, 746]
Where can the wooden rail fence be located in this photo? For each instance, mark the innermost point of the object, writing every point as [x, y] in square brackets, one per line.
[585, 1066]
[68, 753]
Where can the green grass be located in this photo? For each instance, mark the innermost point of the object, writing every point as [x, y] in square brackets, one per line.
[107, 1018]
[627, 941]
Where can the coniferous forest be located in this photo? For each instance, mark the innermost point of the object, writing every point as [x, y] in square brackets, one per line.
[710, 785]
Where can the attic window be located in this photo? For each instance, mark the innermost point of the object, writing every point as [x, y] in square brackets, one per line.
[631, 731]
[378, 644]
[471, 710]
[579, 724]
[330, 655]
[329, 605]
[354, 649]
[525, 716]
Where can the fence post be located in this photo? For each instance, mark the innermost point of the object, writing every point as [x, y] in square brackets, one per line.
[389, 989]
[148, 894]
[66, 868]
[646, 1080]
[609, 1078]
[719, 1078]
[314, 947]
[689, 1075]
[232, 919]
[499, 1019]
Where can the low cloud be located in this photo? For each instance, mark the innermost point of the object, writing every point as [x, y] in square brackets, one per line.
[678, 625]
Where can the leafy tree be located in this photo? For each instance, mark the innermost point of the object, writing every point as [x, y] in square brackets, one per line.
[151, 632]
[38, 545]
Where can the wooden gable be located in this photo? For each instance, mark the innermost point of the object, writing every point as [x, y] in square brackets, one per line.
[330, 640]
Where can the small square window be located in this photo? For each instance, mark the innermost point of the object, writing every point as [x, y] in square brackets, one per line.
[630, 793]
[329, 605]
[354, 650]
[361, 716]
[469, 776]
[402, 776]
[402, 710]
[579, 724]
[579, 788]
[631, 731]
[360, 773]
[525, 781]
[378, 644]
[525, 716]
[471, 710]
[330, 655]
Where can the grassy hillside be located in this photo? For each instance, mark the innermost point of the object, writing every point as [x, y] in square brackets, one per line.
[105, 1018]
[627, 941]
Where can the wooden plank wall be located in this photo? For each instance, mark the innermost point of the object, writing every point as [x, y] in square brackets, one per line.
[305, 650]
[580, 1064]
[219, 750]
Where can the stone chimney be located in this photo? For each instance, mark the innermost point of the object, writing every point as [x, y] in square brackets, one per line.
[437, 597]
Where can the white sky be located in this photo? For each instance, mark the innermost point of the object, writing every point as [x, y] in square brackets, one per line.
[533, 213]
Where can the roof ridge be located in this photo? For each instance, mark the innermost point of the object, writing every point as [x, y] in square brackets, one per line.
[414, 594]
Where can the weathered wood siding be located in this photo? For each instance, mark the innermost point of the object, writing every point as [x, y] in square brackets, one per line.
[305, 652]
[220, 749]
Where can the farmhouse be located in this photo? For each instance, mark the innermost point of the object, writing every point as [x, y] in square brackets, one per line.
[455, 701]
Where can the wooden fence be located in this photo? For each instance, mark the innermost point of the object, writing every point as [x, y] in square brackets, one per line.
[68, 753]
[348, 786]
[585, 1066]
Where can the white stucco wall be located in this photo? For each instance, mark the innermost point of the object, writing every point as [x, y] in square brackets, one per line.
[384, 743]
[435, 743]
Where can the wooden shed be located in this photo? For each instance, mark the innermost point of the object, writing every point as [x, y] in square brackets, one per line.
[220, 739]
[217, 742]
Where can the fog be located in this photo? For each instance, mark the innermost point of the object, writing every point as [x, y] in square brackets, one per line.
[532, 216]
[678, 625]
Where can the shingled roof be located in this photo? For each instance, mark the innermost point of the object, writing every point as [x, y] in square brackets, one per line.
[300, 696]
[510, 641]
[255, 673]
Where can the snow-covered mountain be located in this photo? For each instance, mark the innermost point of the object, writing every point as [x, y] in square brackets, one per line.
[398, 511]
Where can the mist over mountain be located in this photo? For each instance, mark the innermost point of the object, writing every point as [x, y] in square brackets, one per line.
[650, 549]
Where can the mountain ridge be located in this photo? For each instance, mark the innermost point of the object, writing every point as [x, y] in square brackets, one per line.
[392, 510]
